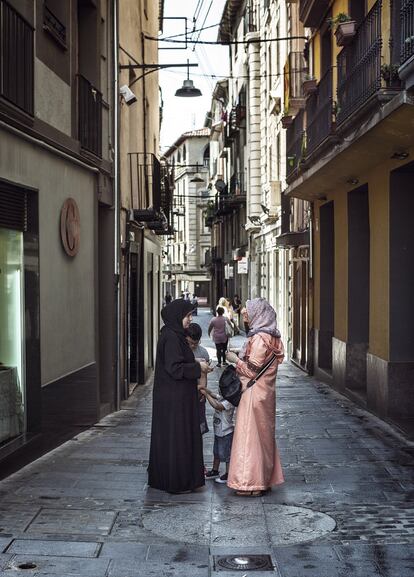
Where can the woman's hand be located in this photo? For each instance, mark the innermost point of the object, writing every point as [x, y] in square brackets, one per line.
[231, 357]
[205, 367]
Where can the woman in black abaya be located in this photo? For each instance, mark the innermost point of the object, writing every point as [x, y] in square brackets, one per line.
[176, 454]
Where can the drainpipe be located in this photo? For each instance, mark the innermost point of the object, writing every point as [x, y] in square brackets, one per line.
[254, 191]
[117, 207]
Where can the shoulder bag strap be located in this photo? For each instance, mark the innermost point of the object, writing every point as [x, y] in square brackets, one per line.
[262, 370]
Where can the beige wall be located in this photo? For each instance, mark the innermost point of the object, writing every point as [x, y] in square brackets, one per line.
[66, 284]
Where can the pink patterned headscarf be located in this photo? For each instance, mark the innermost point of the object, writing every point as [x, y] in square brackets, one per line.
[262, 319]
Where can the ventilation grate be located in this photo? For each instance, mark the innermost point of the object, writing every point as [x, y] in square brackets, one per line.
[13, 208]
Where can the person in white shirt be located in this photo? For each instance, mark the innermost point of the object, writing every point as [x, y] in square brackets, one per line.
[223, 422]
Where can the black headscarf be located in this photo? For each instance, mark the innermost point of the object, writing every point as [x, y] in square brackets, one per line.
[173, 314]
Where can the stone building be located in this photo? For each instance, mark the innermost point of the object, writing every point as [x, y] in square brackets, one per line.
[186, 251]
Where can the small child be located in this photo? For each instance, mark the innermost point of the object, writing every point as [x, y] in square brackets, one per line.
[193, 336]
[223, 434]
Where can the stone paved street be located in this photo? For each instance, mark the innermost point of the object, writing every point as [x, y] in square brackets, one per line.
[346, 507]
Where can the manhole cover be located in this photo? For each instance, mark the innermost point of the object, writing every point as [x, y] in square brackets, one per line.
[243, 562]
[242, 524]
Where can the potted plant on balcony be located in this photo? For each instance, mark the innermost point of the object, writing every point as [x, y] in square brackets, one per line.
[344, 28]
[309, 85]
[389, 73]
[287, 119]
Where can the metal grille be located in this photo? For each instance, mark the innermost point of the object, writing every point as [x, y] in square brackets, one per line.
[359, 65]
[407, 29]
[16, 58]
[295, 143]
[90, 117]
[243, 563]
[319, 113]
[13, 208]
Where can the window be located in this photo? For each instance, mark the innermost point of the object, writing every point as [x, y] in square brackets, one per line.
[16, 65]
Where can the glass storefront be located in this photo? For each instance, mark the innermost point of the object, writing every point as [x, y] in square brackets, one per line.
[12, 366]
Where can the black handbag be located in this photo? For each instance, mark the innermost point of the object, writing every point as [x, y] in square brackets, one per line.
[230, 385]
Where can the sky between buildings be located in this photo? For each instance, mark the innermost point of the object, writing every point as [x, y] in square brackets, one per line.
[182, 114]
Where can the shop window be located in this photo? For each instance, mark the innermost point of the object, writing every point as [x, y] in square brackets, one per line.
[12, 372]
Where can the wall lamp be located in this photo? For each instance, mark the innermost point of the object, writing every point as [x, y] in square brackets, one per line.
[352, 180]
[265, 209]
[187, 90]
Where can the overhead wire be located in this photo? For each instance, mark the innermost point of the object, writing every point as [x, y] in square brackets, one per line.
[229, 42]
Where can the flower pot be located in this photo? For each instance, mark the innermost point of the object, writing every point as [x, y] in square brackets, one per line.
[345, 32]
[287, 121]
[309, 86]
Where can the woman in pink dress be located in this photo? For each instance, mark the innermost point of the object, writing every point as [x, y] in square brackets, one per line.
[255, 463]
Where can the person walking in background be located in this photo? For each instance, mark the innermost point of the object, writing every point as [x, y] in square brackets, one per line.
[217, 332]
[255, 463]
[194, 302]
[236, 305]
[176, 453]
[168, 298]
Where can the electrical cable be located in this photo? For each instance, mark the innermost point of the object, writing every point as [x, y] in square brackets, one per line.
[230, 42]
[192, 32]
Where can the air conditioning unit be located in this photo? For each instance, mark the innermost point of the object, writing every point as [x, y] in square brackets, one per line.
[275, 195]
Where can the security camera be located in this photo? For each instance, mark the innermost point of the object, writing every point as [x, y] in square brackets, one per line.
[127, 94]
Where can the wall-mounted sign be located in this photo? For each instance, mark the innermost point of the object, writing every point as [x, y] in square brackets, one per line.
[228, 271]
[70, 227]
[243, 266]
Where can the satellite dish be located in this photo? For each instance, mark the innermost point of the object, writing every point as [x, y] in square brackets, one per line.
[220, 185]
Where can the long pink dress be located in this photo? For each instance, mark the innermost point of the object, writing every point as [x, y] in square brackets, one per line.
[255, 463]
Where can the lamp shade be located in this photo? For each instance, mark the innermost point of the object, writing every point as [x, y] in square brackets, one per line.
[188, 89]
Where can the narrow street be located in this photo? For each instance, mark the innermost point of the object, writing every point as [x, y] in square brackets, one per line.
[345, 509]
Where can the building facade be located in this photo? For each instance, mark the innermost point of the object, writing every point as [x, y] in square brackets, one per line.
[352, 160]
[56, 219]
[144, 193]
[186, 251]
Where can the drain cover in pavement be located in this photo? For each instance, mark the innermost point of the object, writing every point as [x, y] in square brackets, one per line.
[243, 563]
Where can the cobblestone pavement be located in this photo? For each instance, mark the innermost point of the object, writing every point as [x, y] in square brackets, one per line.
[346, 507]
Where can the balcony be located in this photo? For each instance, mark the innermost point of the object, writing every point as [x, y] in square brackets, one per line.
[90, 117]
[406, 70]
[295, 141]
[319, 114]
[311, 12]
[151, 190]
[237, 119]
[359, 66]
[16, 59]
[295, 69]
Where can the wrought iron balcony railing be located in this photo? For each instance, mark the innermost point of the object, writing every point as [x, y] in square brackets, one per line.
[407, 29]
[16, 58]
[295, 140]
[359, 65]
[90, 117]
[145, 182]
[319, 113]
[54, 26]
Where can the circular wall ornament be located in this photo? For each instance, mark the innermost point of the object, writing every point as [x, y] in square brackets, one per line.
[70, 227]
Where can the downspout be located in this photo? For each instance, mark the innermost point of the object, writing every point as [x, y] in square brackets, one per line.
[117, 205]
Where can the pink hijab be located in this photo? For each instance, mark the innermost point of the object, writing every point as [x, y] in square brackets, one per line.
[262, 319]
